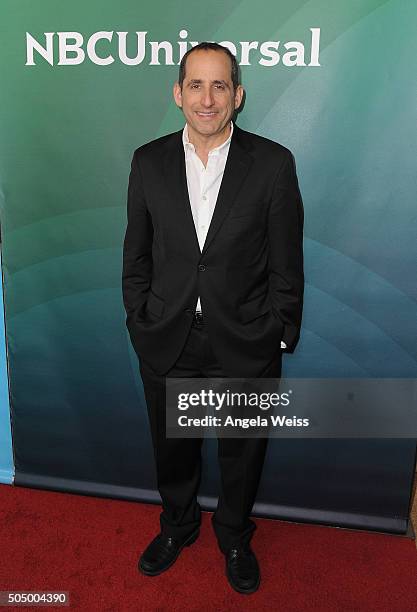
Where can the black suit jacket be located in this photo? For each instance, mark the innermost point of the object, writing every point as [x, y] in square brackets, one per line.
[249, 275]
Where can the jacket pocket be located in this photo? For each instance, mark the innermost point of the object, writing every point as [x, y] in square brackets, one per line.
[155, 305]
[239, 215]
[254, 308]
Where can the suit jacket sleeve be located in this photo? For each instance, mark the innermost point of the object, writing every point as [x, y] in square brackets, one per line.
[285, 239]
[137, 247]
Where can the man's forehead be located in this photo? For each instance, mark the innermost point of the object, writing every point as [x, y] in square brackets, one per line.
[212, 65]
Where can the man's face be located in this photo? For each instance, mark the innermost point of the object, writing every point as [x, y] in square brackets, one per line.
[207, 98]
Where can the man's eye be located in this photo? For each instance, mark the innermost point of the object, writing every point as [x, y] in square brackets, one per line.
[195, 86]
[219, 86]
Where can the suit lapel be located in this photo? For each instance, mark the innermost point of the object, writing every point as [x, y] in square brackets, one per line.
[176, 182]
[236, 170]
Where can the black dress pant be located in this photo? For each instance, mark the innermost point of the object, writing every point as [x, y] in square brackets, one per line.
[178, 460]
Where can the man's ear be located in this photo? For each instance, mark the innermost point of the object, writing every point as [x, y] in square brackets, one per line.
[238, 96]
[177, 94]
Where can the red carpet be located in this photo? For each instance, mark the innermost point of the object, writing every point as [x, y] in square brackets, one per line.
[90, 547]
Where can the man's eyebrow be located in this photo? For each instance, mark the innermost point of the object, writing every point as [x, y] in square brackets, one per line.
[215, 82]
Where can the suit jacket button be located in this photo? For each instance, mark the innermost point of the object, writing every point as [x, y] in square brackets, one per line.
[188, 311]
[201, 268]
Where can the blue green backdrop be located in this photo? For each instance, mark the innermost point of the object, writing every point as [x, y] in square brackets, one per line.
[67, 136]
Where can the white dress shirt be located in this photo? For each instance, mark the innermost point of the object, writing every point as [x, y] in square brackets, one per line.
[203, 184]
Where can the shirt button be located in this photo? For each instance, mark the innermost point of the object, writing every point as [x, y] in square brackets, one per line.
[201, 268]
[204, 198]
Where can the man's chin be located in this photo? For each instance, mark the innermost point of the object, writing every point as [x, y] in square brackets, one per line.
[207, 128]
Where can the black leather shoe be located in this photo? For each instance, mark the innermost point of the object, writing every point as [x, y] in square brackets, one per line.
[242, 570]
[162, 552]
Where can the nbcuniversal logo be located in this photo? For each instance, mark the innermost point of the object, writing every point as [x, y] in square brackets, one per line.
[104, 48]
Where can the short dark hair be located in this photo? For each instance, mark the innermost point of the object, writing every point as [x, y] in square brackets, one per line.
[210, 46]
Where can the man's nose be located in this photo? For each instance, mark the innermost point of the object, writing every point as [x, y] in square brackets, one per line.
[207, 98]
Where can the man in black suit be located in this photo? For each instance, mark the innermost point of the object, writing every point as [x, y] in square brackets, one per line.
[213, 287]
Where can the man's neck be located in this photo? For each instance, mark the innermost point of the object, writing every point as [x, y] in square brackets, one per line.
[203, 145]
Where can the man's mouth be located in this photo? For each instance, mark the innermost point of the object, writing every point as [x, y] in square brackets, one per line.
[206, 113]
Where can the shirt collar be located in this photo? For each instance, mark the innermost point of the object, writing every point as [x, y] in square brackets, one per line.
[221, 149]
